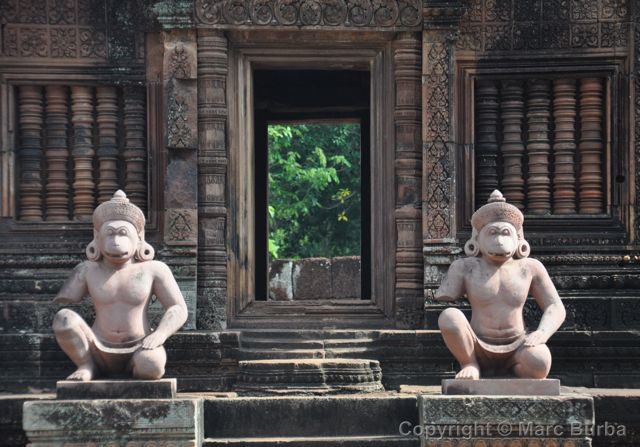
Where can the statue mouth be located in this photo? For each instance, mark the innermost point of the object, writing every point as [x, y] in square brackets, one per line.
[117, 255]
[500, 255]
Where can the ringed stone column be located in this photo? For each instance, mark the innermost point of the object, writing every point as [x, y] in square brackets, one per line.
[179, 71]
[438, 147]
[212, 164]
[409, 267]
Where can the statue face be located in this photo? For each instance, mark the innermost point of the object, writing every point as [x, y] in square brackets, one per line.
[498, 241]
[118, 241]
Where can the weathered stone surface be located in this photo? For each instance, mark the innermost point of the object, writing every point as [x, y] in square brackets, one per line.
[309, 376]
[312, 279]
[280, 280]
[345, 277]
[518, 419]
[55, 423]
[339, 416]
[502, 387]
[116, 389]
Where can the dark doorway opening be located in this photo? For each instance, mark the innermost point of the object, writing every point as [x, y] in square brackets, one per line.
[310, 99]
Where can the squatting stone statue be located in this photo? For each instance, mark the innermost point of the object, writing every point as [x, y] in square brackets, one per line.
[121, 277]
[496, 278]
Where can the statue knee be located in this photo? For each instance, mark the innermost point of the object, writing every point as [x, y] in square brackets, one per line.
[534, 362]
[451, 320]
[66, 320]
[149, 364]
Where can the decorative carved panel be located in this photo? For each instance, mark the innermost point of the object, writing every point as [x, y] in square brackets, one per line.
[327, 13]
[546, 162]
[100, 129]
[73, 29]
[497, 25]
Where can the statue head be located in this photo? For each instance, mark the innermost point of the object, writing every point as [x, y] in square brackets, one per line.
[497, 231]
[118, 232]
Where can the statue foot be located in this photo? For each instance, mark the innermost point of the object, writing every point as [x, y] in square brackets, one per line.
[470, 371]
[82, 374]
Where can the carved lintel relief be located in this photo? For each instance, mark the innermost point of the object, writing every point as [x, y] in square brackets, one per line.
[327, 13]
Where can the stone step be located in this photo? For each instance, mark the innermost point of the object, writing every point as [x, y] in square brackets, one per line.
[308, 376]
[308, 334]
[308, 418]
[328, 441]
[280, 343]
[273, 354]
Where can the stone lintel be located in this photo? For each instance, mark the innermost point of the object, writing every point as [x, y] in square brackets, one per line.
[116, 389]
[502, 387]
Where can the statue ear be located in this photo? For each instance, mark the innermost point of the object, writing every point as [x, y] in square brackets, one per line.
[145, 252]
[92, 251]
[471, 248]
[523, 250]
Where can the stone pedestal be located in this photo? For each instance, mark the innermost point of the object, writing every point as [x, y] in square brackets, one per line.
[114, 423]
[116, 389]
[514, 421]
[502, 387]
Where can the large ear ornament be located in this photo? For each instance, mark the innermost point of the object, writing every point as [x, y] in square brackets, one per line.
[93, 254]
[471, 248]
[523, 250]
[145, 252]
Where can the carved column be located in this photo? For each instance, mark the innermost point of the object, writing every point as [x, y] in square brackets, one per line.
[636, 113]
[564, 146]
[591, 147]
[83, 151]
[512, 147]
[180, 69]
[438, 146]
[30, 153]
[107, 120]
[538, 147]
[212, 162]
[408, 115]
[135, 153]
[57, 154]
[486, 151]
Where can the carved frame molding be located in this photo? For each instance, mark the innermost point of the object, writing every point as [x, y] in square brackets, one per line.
[375, 54]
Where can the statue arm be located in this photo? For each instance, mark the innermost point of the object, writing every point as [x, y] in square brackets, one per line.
[166, 289]
[546, 295]
[75, 287]
[452, 286]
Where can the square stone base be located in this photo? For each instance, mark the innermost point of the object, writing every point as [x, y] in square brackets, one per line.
[502, 387]
[521, 421]
[113, 423]
[116, 389]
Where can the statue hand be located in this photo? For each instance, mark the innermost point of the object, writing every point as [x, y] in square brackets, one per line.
[535, 338]
[153, 340]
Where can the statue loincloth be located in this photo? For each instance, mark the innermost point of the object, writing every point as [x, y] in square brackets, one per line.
[128, 347]
[501, 345]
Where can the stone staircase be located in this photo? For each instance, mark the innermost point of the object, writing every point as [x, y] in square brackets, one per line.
[277, 362]
[368, 420]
